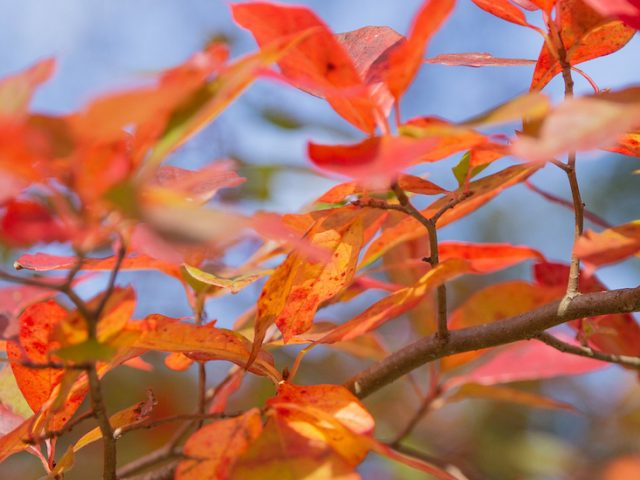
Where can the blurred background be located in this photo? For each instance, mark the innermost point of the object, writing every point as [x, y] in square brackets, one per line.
[105, 45]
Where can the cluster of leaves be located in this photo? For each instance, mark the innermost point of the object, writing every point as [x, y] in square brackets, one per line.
[95, 180]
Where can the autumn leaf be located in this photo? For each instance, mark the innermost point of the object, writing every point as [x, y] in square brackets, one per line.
[585, 35]
[202, 343]
[628, 144]
[217, 446]
[397, 303]
[208, 101]
[24, 223]
[234, 284]
[36, 324]
[626, 10]
[405, 60]
[503, 9]
[476, 60]
[300, 285]
[609, 246]
[523, 361]
[373, 161]
[17, 90]
[588, 122]
[488, 305]
[318, 64]
[507, 394]
[368, 47]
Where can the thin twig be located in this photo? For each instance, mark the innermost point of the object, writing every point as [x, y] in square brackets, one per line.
[66, 429]
[202, 369]
[145, 425]
[111, 283]
[592, 217]
[435, 390]
[625, 360]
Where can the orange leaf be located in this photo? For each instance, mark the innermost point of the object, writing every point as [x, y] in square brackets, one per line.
[202, 343]
[283, 451]
[318, 64]
[488, 257]
[299, 285]
[405, 60]
[36, 324]
[397, 303]
[587, 123]
[217, 446]
[609, 246]
[503, 9]
[585, 34]
[16, 90]
[628, 144]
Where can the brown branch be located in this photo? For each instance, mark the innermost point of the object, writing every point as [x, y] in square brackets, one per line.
[108, 440]
[520, 327]
[624, 360]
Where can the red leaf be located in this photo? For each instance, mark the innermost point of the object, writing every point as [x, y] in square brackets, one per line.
[477, 60]
[369, 47]
[319, 63]
[405, 60]
[36, 325]
[626, 10]
[373, 160]
[528, 360]
[25, 223]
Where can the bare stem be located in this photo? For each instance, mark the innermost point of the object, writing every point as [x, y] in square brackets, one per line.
[109, 442]
[624, 360]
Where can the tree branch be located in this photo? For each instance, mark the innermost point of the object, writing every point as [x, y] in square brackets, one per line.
[624, 360]
[520, 327]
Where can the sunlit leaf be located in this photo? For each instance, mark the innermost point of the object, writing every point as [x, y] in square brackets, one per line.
[299, 285]
[405, 60]
[585, 34]
[318, 64]
[217, 446]
[609, 246]
[202, 343]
